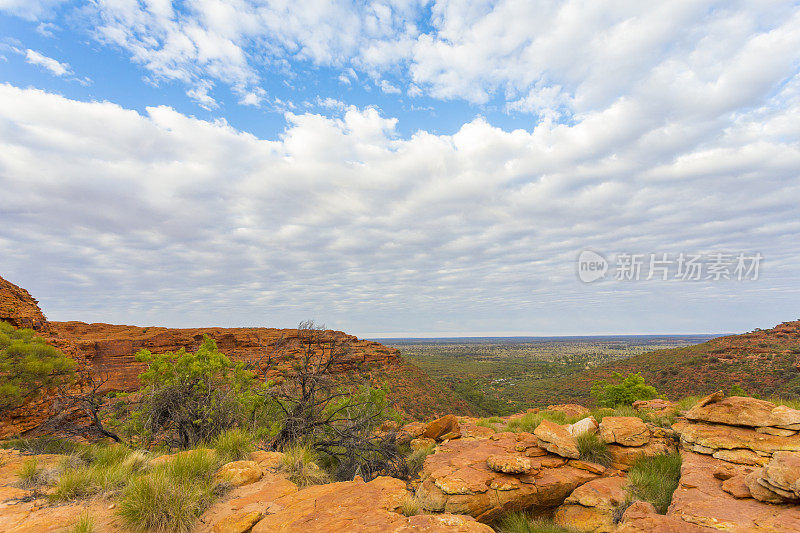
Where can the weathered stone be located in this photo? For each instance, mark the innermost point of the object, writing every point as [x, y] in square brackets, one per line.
[623, 457]
[708, 438]
[440, 427]
[239, 473]
[457, 479]
[624, 430]
[740, 456]
[736, 487]
[358, 507]
[783, 472]
[237, 523]
[422, 443]
[508, 463]
[759, 491]
[585, 465]
[743, 411]
[700, 499]
[591, 506]
[556, 439]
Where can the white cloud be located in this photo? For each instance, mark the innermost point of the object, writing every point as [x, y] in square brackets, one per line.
[162, 218]
[55, 67]
[29, 9]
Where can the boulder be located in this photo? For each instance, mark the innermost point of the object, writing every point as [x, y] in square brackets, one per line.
[440, 427]
[591, 506]
[758, 490]
[743, 411]
[458, 479]
[783, 472]
[624, 430]
[239, 473]
[583, 426]
[556, 439]
[359, 507]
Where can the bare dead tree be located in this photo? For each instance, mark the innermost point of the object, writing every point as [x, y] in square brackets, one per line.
[326, 402]
[87, 393]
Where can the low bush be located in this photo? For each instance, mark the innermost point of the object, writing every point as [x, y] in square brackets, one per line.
[593, 450]
[409, 506]
[654, 479]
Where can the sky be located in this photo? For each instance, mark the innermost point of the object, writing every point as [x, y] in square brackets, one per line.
[403, 168]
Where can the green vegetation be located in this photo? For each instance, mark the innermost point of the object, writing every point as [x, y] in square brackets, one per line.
[30, 474]
[519, 522]
[530, 421]
[98, 469]
[84, 524]
[416, 459]
[28, 366]
[42, 445]
[503, 377]
[233, 445]
[189, 398]
[172, 495]
[410, 506]
[623, 391]
[301, 466]
[654, 479]
[593, 450]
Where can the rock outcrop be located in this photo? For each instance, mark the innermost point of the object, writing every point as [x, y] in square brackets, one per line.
[19, 308]
[591, 506]
[485, 478]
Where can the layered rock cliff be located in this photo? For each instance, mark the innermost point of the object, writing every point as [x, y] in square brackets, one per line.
[109, 350]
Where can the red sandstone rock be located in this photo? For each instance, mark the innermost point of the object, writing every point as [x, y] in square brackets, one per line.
[19, 308]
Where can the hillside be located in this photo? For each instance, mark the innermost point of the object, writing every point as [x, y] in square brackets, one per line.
[763, 362]
[109, 351]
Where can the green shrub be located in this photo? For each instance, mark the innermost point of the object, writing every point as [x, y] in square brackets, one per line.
[233, 445]
[189, 398]
[518, 522]
[592, 449]
[301, 466]
[172, 495]
[28, 366]
[737, 390]
[624, 391]
[654, 479]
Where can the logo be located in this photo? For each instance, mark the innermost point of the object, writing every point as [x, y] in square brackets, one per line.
[591, 266]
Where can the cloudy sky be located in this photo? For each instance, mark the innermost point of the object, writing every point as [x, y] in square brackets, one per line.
[401, 168]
